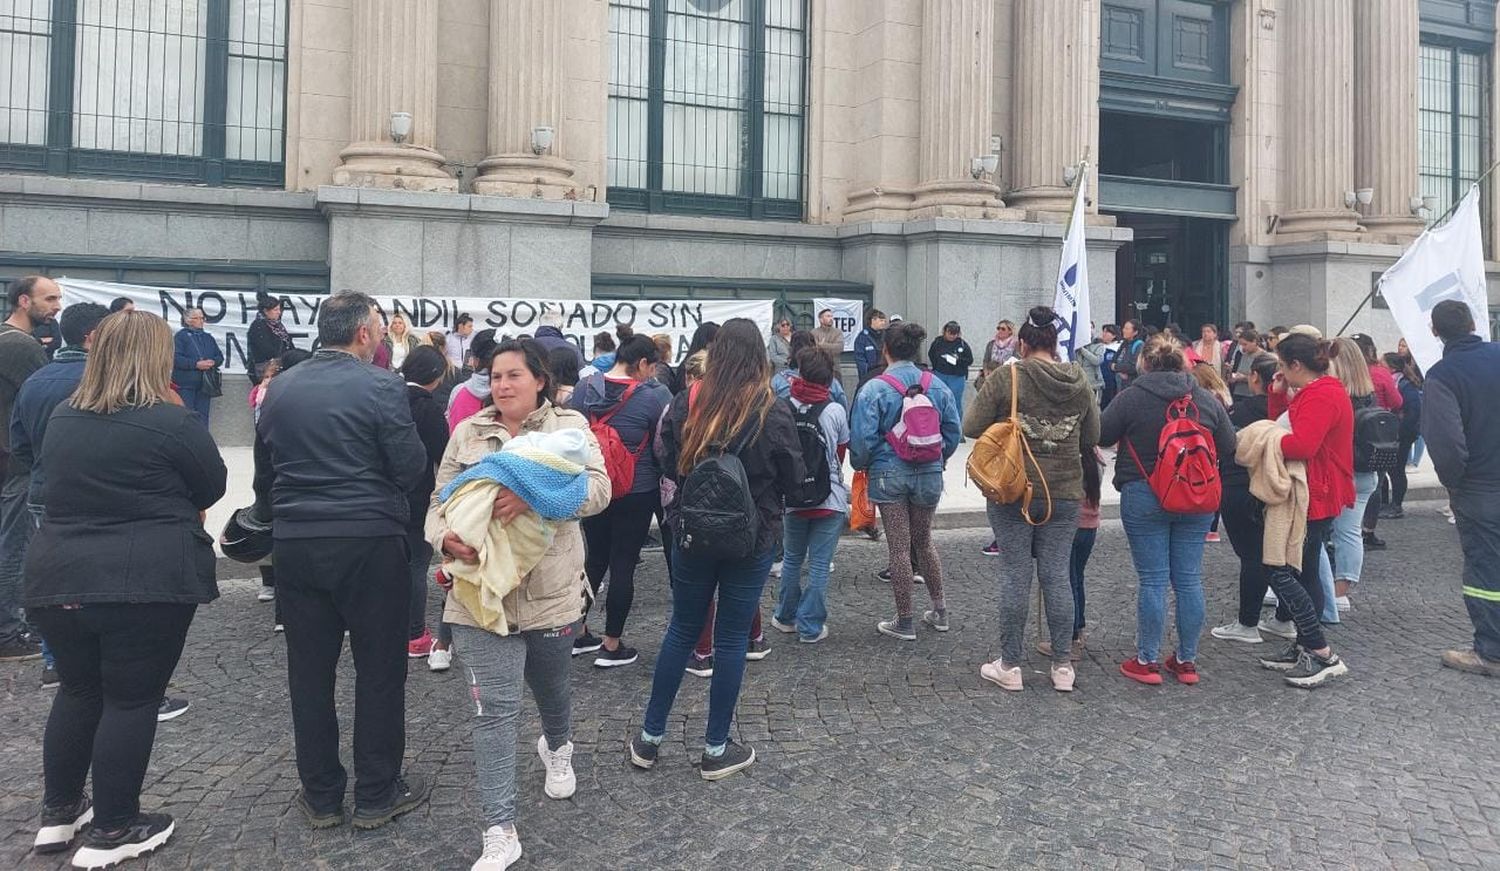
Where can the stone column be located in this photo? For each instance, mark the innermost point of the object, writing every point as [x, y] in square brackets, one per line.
[394, 67]
[1387, 41]
[527, 53]
[1319, 120]
[958, 86]
[1054, 110]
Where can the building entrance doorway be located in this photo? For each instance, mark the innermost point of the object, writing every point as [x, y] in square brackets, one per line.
[1173, 272]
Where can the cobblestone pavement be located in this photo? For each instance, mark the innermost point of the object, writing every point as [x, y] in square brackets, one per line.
[881, 754]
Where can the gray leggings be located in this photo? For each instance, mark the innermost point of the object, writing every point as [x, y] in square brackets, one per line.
[495, 665]
[1050, 548]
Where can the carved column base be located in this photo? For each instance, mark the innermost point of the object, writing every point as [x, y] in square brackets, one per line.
[1330, 224]
[526, 175]
[1045, 203]
[384, 165]
[1393, 229]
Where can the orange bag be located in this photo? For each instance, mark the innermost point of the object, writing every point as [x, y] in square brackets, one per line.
[861, 510]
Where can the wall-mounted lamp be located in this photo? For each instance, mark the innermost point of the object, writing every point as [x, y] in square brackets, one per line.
[541, 139]
[400, 126]
[1350, 199]
[1070, 174]
[1267, 19]
[1365, 196]
[984, 165]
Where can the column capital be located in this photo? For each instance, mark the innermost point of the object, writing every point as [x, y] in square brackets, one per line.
[1056, 102]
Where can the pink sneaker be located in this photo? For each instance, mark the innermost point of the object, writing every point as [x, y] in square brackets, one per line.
[1062, 678]
[420, 646]
[1006, 678]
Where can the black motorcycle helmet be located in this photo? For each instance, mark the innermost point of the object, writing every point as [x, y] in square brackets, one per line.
[244, 538]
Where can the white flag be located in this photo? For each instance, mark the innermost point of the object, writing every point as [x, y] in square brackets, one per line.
[1072, 300]
[1446, 262]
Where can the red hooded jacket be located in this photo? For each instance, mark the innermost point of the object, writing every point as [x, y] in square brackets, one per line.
[1323, 435]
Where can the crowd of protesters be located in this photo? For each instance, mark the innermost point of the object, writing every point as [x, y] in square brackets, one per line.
[533, 472]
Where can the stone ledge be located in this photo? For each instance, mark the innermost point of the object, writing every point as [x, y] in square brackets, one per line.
[626, 223]
[383, 202]
[107, 192]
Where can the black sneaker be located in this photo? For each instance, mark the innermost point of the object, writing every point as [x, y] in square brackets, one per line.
[701, 667]
[642, 752]
[1392, 512]
[106, 849]
[1373, 542]
[316, 818]
[171, 709]
[1284, 659]
[61, 824]
[586, 643]
[757, 650]
[735, 757]
[885, 575]
[653, 542]
[1313, 670]
[411, 793]
[622, 655]
[20, 649]
[50, 680]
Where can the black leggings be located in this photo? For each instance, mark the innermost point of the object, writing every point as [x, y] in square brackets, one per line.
[114, 661]
[613, 539]
[1397, 476]
[1299, 594]
[1243, 523]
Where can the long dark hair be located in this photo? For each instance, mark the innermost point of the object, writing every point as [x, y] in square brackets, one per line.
[735, 392]
[702, 337]
[1093, 476]
[1314, 354]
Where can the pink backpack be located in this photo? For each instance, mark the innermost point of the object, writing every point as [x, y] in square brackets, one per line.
[917, 436]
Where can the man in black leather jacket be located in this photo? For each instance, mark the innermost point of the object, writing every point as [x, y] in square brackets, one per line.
[345, 451]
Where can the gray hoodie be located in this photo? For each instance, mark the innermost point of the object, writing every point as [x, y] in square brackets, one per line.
[1138, 413]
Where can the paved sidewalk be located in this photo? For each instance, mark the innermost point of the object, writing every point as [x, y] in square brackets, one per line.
[878, 754]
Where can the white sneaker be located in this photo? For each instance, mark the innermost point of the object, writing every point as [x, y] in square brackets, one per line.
[1270, 599]
[440, 659]
[1280, 628]
[776, 569]
[1062, 678]
[502, 848]
[1006, 678]
[1342, 603]
[266, 594]
[1234, 630]
[782, 627]
[560, 780]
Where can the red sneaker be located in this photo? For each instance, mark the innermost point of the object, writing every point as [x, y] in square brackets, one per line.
[1150, 673]
[1212, 538]
[1186, 672]
[420, 646]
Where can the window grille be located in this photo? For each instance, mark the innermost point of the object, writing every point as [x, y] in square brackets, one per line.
[1453, 145]
[707, 103]
[176, 90]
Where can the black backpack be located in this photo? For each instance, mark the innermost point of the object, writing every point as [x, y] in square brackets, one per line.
[1377, 439]
[717, 514]
[817, 483]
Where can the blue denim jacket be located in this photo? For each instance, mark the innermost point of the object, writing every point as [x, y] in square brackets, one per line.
[877, 409]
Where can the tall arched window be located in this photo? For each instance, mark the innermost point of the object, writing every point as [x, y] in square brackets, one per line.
[707, 101]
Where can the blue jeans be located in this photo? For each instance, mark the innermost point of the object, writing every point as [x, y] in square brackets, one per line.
[694, 580]
[196, 401]
[1166, 548]
[1417, 447]
[1348, 543]
[16, 526]
[810, 541]
[955, 385]
[1083, 547]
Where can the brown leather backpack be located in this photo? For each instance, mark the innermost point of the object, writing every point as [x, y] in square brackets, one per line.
[997, 464]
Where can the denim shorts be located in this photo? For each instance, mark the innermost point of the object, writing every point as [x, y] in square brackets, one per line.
[917, 486]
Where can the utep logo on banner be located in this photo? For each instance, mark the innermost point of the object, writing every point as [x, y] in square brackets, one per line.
[848, 316]
[229, 314]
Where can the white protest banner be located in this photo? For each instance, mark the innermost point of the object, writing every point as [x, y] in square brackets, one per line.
[228, 313]
[1446, 262]
[848, 316]
[1072, 299]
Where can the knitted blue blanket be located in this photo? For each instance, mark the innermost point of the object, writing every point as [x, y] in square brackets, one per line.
[554, 487]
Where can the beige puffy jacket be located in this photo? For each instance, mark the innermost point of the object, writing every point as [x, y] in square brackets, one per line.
[554, 593]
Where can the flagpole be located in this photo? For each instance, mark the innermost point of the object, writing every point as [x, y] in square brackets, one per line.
[1439, 222]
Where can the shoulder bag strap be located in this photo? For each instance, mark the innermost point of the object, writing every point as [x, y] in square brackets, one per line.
[624, 398]
[1015, 394]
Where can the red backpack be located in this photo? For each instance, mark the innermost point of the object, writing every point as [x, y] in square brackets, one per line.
[619, 461]
[1186, 477]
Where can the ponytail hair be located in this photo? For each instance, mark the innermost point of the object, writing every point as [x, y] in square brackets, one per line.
[1314, 354]
[1040, 330]
[904, 340]
[1161, 354]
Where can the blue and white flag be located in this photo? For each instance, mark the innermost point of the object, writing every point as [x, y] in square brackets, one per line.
[1072, 300]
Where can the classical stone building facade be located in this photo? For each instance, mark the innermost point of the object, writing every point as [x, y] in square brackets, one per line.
[1257, 159]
